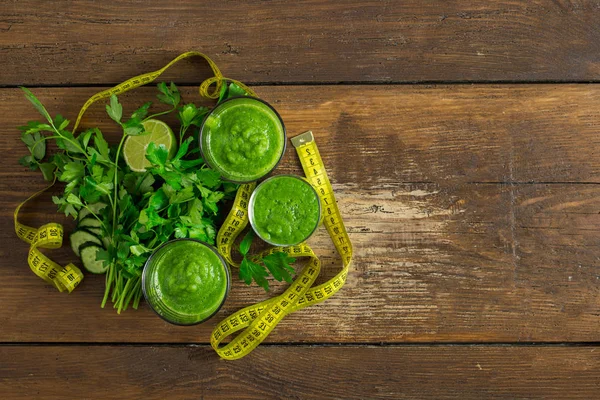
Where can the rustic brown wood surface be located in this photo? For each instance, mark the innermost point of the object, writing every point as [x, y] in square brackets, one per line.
[453, 241]
[473, 208]
[65, 42]
[419, 372]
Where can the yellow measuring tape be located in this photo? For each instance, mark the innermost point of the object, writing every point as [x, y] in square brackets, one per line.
[143, 79]
[48, 236]
[260, 319]
[257, 320]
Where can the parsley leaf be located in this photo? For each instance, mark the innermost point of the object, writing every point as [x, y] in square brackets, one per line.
[114, 109]
[208, 177]
[250, 271]
[169, 94]
[37, 104]
[101, 144]
[157, 155]
[246, 242]
[72, 171]
[229, 91]
[141, 112]
[36, 143]
[255, 267]
[47, 170]
[192, 115]
[279, 266]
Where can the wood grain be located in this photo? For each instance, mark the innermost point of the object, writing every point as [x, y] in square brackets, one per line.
[474, 209]
[439, 372]
[443, 134]
[451, 243]
[81, 42]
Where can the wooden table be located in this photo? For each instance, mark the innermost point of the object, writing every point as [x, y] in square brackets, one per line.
[462, 142]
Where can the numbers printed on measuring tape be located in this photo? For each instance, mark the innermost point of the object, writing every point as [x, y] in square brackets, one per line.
[234, 223]
[48, 236]
[260, 319]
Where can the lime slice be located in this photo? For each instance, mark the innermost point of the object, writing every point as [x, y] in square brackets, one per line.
[134, 150]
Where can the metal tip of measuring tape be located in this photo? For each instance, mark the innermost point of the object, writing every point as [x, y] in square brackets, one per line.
[303, 138]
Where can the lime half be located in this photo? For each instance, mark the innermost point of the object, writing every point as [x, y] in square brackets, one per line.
[157, 132]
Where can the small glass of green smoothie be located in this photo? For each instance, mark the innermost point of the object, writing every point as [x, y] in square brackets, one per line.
[284, 210]
[243, 138]
[185, 281]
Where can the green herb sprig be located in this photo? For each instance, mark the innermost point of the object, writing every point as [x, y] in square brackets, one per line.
[174, 198]
[256, 268]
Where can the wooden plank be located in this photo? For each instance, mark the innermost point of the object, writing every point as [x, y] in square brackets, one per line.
[440, 372]
[430, 270]
[65, 42]
[450, 260]
[441, 134]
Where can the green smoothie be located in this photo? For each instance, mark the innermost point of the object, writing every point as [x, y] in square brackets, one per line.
[243, 138]
[185, 281]
[284, 210]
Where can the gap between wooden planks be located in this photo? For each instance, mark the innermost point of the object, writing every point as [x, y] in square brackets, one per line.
[473, 210]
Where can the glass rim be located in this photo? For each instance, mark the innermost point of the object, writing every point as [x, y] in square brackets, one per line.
[252, 98]
[145, 273]
[253, 198]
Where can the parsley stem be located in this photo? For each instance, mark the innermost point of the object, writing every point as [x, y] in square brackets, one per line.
[132, 292]
[119, 304]
[113, 202]
[138, 296]
[182, 131]
[117, 288]
[159, 114]
[109, 281]
[116, 188]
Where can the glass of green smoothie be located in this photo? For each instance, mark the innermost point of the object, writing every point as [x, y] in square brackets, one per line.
[284, 210]
[243, 138]
[185, 281]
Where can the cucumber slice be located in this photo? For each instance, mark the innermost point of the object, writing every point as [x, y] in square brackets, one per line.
[81, 236]
[95, 207]
[88, 252]
[89, 221]
[92, 224]
[95, 231]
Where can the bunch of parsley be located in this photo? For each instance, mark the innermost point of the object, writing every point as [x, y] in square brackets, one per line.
[175, 198]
